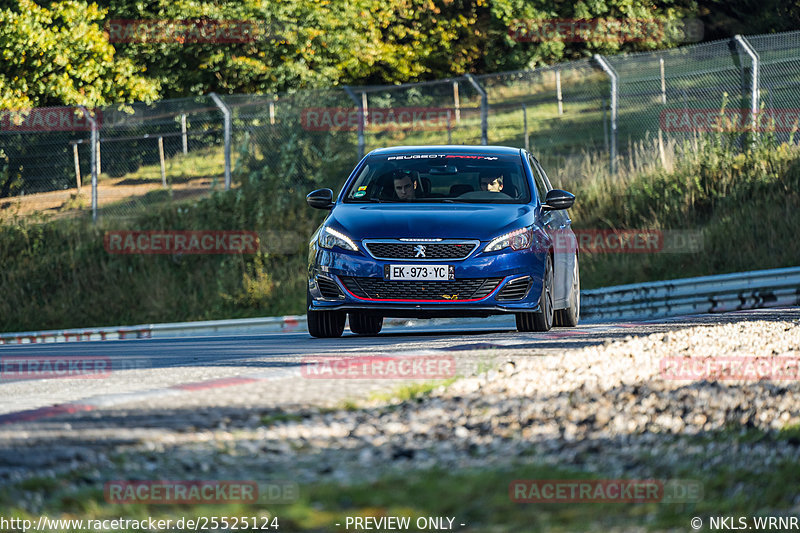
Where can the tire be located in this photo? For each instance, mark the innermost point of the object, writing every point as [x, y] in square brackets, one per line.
[570, 316]
[541, 320]
[363, 324]
[325, 324]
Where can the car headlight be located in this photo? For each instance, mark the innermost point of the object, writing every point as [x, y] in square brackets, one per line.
[517, 240]
[329, 237]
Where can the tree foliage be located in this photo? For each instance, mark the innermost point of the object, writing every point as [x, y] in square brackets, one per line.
[60, 56]
[65, 52]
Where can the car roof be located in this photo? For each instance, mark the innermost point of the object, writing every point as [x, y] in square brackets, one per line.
[458, 148]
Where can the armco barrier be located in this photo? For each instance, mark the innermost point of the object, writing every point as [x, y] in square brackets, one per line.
[74, 335]
[640, 301]
[709, 294]
[260, 325]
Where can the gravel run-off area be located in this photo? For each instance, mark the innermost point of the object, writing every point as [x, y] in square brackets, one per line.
[612, 409]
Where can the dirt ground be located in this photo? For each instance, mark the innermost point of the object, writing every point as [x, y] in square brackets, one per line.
[70, 202]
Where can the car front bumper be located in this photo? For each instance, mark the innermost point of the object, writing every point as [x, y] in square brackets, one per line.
[331, 266]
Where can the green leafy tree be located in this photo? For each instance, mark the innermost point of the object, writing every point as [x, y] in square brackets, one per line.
[302, 44]
[60, 56]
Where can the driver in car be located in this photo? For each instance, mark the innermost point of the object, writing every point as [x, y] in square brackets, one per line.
[492, 183]
[405, 188]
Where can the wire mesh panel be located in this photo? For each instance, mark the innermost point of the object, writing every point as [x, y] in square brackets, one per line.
[150, 154]
[556, 112]
[440, 112]
[42, 163]
[296, 142]
[174, 150]
[679, 93]
[779, 69]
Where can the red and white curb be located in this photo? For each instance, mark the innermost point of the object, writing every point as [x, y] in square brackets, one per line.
[113, 400]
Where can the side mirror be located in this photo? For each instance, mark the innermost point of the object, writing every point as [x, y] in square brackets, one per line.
[558, 199]
[320, 199]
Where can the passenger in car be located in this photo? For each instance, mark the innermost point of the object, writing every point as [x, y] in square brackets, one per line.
[492, 183]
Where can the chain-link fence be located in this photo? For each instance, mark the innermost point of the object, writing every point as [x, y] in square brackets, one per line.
[175, 150]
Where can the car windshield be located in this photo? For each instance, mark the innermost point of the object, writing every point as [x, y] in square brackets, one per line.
[440, 178]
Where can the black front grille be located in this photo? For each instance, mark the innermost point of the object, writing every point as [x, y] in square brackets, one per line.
[515, 290]
[389, 250]
[329, 288]
[460, 289]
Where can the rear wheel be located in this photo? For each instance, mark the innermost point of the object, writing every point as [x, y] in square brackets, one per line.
[541, 320]
[569, 317]
[324, 323]
[363, 324]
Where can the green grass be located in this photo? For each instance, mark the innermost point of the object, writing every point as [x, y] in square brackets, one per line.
[208, 161]
[56, 274]
[477, 497]
[411, 392]
[280, 417]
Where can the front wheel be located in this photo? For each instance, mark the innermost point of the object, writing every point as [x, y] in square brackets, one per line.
[363, 324]
[325, 324]
[541, 320]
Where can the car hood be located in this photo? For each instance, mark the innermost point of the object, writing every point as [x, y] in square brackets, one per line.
[426, 221]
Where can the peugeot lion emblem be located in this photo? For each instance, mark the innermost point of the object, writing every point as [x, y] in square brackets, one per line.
[420, 249]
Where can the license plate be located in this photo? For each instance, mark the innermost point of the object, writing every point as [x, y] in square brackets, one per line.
[419, 272]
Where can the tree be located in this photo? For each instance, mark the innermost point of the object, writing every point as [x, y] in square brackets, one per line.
[60, 56]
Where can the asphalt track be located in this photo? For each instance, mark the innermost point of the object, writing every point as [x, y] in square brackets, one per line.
[142, 367]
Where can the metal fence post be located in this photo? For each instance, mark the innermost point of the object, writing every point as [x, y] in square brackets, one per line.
[77, 165]
[605, 124]
[359, 103]
[184, 137]
[456, 101]
[161, 161]
[754, 81]
[525, 127]
[449, 129]
[93, 143]
[484, 109]
[558, 92]
[226, 114]
[614, 88]
[272, 110]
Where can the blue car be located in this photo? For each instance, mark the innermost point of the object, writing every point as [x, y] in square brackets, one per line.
[443, 231]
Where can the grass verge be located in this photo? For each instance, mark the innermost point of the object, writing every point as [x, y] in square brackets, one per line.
[57, 274]
[478, 498]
